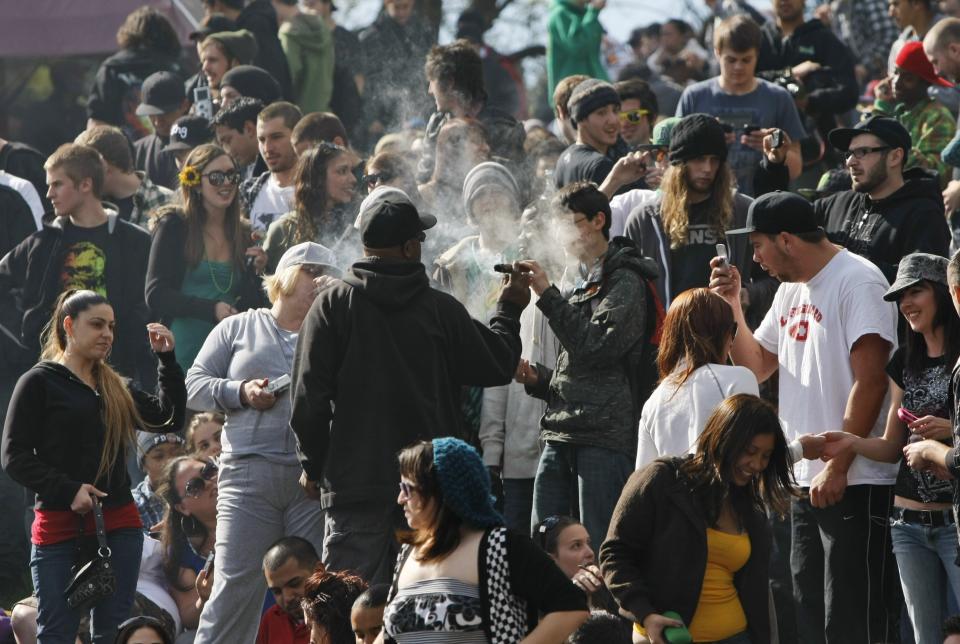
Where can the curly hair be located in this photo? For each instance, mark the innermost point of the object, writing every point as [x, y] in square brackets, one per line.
[147, 28]
[327, 602]
[674, 207]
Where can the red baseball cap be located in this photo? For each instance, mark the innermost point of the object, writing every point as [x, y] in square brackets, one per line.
[912, 59]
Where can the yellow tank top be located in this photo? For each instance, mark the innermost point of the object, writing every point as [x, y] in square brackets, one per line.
[719, 614]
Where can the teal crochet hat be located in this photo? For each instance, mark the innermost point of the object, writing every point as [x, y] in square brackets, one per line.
[465, 483]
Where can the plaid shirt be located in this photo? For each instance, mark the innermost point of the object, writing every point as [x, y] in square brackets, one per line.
[931, 127]
[869, 30]
[149, 504]
[148, 197]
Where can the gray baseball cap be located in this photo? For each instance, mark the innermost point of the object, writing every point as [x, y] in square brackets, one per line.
[308, 253]
[915, 268]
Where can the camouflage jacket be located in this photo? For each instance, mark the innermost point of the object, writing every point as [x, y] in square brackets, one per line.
[599, 326]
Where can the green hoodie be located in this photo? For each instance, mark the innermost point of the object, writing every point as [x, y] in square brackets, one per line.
[308, 45]
[573, 43]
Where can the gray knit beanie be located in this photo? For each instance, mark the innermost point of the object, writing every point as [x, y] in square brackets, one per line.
[589, 96]
[485, 175]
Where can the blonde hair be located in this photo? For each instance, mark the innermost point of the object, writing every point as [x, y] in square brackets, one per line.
[200, 419]
[119, 412]
[281, 283]
[675, 204]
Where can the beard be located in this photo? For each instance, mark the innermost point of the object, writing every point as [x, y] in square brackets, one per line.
[871, 179]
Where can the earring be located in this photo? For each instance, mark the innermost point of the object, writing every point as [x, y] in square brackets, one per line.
[193, 525]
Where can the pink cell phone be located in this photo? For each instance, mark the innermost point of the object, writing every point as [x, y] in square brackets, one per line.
[906, 415]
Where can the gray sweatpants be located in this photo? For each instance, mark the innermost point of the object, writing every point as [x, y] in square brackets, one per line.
[258, 502]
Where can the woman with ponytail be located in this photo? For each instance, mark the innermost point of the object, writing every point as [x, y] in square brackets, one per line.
[69, 424]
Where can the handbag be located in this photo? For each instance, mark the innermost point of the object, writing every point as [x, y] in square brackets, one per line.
[94, 580]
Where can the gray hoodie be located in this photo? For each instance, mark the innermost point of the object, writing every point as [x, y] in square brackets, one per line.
[248, 346]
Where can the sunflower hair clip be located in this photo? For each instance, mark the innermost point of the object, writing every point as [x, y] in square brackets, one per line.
[189, 176]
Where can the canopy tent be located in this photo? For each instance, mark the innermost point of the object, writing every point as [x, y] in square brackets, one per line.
[55, 28]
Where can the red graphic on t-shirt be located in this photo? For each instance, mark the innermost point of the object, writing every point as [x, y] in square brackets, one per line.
[800, 330]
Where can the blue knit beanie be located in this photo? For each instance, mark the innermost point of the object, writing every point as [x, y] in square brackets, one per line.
[465, 483]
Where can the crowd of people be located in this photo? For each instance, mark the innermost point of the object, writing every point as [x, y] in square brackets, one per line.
[270, 372]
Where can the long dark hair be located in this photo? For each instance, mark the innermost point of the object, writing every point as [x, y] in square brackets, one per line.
[443, 535]
[175, 538]
[310, 196]
[118, 410]
[945, 318]
[235, 228]
[728, 433]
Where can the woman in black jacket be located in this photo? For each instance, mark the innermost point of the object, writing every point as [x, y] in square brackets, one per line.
[69, 423]
[689, 535]
[198, 272]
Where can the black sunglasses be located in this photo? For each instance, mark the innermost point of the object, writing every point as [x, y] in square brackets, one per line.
[219, 177]
[198, 484]
[376, 177]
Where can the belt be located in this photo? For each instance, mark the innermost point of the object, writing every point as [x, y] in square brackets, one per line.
[932, 518]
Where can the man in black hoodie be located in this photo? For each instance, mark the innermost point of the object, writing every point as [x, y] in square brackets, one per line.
[380, 362]
[889, 213]
[809, 52]
[84, 247]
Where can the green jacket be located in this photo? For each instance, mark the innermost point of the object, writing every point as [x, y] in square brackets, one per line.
[308, 45]
[573, 43]
[931, 127]
[601, 327]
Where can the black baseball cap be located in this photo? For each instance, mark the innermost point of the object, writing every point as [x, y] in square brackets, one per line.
[160, 93]
[187, 132]
[779, 212]
[393, 222]
[887, 129]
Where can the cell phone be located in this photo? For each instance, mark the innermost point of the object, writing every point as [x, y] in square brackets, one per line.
[906, 415]
[777, 139]
[676, 634]
[202, 102]
[722, 254]
[208, 564]
[279, 385]
[750, 129]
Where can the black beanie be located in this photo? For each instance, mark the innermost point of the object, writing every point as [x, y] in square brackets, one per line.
[252, 81]
[590, 95]
[695, 136]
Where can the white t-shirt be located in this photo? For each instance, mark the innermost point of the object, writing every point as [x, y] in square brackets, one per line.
[812, 327]
[673, 418]
[27, 191]
[272, 202]
[622, 205]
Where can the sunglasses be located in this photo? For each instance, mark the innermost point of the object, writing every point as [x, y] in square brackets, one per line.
[407, 489]
[313, 270]
[219, 177]
[376, 177]
[633, 116]
[198, 484]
